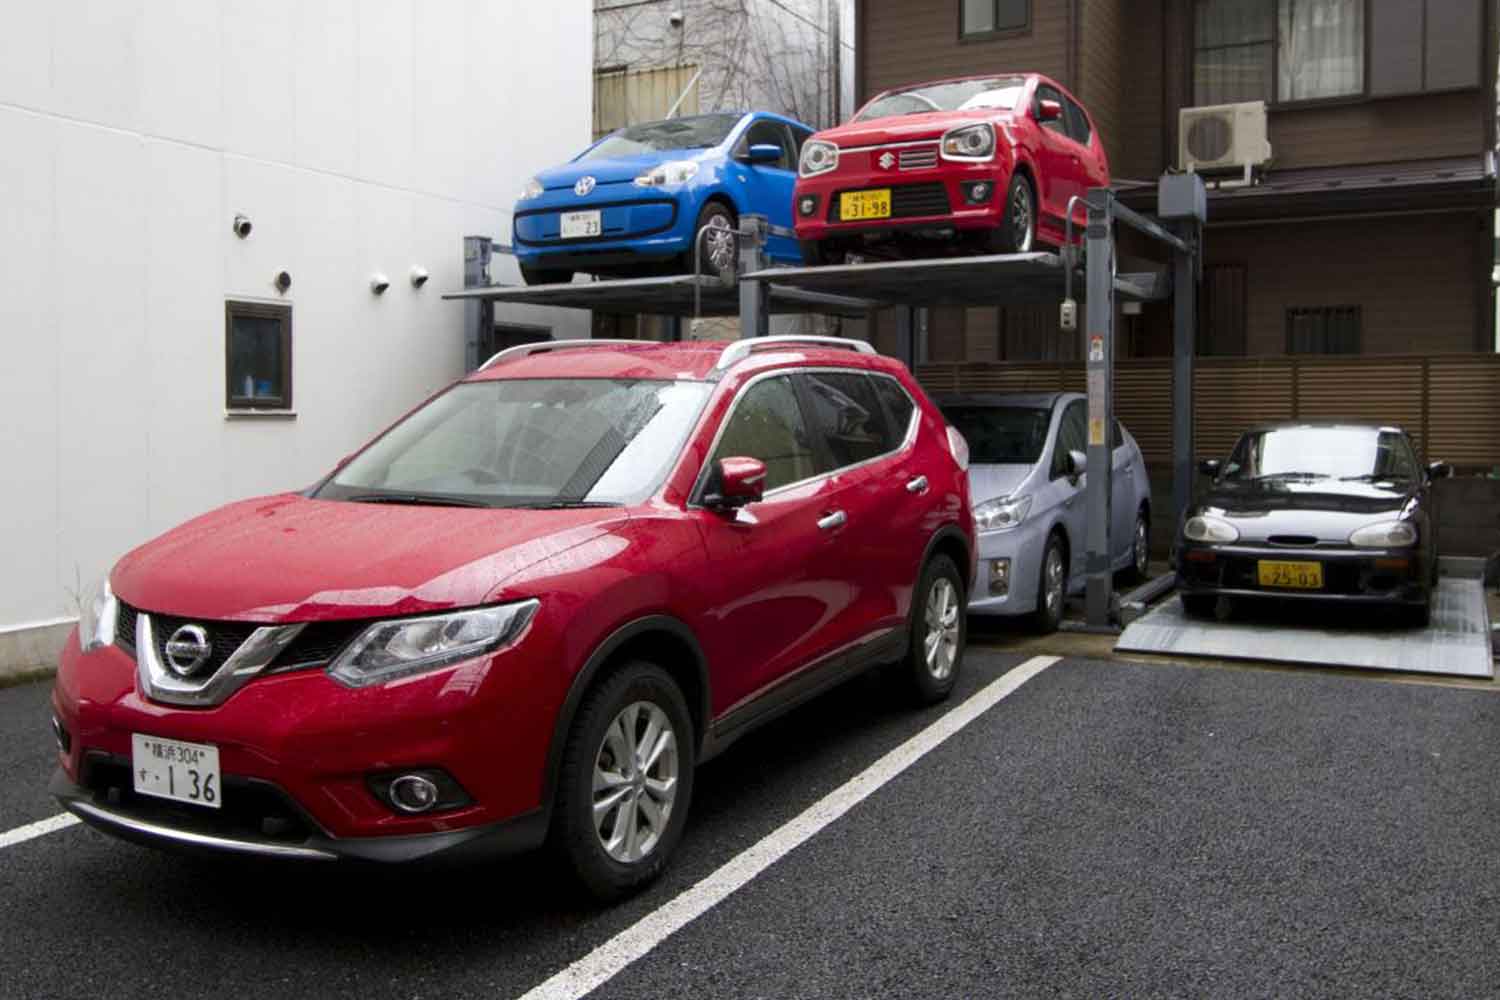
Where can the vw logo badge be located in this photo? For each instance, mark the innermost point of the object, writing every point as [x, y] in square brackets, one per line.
[887, 161]
[188, 649]
[584, 186]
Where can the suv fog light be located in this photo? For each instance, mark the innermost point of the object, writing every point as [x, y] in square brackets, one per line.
[1000, 577]
[977, 192]
[807, 205]
[413, 793]
[64, 741]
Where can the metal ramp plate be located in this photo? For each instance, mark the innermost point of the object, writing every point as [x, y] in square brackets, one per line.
[1457, 642]
[669, 295]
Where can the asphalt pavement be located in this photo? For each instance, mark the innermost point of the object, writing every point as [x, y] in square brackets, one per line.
[1107, 829]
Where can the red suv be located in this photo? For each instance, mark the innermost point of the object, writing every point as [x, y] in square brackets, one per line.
[526, 611]
[992, 160]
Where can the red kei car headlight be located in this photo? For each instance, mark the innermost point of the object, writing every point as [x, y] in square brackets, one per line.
[818, 157]
[970, 143]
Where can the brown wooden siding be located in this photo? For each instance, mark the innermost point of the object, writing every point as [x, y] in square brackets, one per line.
[906, 41]
[1136, 151]
[1101, 71]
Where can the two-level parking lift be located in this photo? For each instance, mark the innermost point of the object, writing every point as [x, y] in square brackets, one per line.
[757, 292]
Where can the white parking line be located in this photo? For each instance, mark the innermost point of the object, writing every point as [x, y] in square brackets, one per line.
[609, 959]
[40, 828]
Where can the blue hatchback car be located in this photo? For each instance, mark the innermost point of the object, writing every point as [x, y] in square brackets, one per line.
[633, 203]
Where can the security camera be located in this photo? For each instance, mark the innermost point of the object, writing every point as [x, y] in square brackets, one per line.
[419, 276]
[242, 226]
[379, 283]
[675, 18]
[283, 280]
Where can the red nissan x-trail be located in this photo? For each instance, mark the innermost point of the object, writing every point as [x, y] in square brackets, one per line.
[526, 611]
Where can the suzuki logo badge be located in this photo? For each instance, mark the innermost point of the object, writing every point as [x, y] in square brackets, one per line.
[886, 161]
[584, 186]
[187, 650]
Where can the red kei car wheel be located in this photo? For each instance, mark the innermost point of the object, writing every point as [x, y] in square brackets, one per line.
[1017, 232]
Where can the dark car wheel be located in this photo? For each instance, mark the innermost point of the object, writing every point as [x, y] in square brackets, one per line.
[627, 779]
[718, 251]
[545, 275]
[938, 632]
[1051, 587]
[1017, 232]
[1140, 550]
[1200, 605]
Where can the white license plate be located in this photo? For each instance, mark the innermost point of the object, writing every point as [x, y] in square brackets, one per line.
[581, 225]
[171, 769]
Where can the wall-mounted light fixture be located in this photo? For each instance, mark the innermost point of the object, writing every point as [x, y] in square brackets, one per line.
[379, 283]
[419, 276]
[242, 226]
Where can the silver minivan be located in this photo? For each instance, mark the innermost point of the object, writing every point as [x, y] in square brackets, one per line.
[1026, 477]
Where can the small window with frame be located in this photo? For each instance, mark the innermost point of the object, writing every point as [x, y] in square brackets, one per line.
[257, 356]
[1323, 330]
[979, 19]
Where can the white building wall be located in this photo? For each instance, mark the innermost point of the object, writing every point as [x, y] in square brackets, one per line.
[358, 135]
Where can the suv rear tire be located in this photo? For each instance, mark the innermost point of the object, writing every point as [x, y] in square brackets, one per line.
[647, 782]
[939, 627]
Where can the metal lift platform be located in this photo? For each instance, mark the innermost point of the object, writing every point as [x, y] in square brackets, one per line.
[1456, 643]
[683, 295]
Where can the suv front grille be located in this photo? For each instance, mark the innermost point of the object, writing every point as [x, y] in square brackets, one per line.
[316, 644]
[908, 201]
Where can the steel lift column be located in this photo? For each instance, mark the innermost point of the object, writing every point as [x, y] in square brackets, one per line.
[755, 316]
[1099, 353]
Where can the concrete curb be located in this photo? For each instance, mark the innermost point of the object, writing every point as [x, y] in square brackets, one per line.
[30, 653]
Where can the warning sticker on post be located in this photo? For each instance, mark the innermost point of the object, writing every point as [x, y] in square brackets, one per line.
[1096, 348]
[1096, 431]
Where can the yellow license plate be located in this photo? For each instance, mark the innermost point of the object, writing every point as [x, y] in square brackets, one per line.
[1290, 575]
[857, 205]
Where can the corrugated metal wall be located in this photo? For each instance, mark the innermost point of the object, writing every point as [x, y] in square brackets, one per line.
[1450, 404]
[630, 97]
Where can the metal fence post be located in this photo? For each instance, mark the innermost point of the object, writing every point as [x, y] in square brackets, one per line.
[755, 318]
[1099, 348]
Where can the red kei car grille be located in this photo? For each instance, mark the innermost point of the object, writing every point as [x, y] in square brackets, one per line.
[907, 201]
[918, 157]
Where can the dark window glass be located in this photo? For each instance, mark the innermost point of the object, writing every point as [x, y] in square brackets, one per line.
[800, 136]
[769, 133]
[1046, 93]
[695, 132]
[1277, 50]
[1223, 308]
[1002, 92]
[847, 411]
[1072, 435]
[1325, 330]
[1313, 453]
[258, 356]
[1001, 435]
[898, 404]
[984, 17]
[767, 425]
[1078, 123]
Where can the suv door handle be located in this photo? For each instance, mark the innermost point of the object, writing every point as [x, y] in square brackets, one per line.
[918, 485]
[832, 520]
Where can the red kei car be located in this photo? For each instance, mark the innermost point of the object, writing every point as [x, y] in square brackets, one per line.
[526, 611]
[979, 164]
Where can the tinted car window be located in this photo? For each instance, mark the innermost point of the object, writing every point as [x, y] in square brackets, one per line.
[1078, 123]
[999, 435]
[800, 136]
[847, 411]
[767, 425]
[897, 404]
[1046, 93]
[1322, 453]
[1072, 435]
[770, 133]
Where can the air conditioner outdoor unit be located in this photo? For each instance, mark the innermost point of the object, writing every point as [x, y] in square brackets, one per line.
[1223, 137]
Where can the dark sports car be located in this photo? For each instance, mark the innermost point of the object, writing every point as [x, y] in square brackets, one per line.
[1320, 511]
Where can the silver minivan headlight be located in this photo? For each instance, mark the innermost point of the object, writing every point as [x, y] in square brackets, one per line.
[401, 647]
[1003, 514]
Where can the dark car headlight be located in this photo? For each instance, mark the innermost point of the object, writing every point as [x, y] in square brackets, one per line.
[404, 646]
[1384, 535]
[1205, 528]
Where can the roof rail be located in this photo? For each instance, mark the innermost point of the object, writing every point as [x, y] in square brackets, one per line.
[542, 347]
[742, 349]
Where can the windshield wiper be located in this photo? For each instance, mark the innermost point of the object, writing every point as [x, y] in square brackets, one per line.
[560, 504]
[415, 499]
[1376, 477]
[1289, 475]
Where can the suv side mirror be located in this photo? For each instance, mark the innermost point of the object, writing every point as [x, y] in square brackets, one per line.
[761, 152]
[1078, 464]
[1210, 466]
[1048, 111]
[737, 481]
[1439, 470]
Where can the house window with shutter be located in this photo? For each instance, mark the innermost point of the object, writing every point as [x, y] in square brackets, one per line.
[1277, 51]
[988, 18]
[1323, 330]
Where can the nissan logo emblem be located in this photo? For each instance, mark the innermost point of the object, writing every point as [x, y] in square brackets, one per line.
[584, 186]
[187, 650]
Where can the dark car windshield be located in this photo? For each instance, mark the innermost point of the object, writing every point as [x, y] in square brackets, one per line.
[696, 132]
[1000, 435]
[1003, 92]
[1347, 453]
[528, 442]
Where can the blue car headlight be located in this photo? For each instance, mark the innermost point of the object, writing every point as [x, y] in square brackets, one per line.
[669, 173]
[532, 190]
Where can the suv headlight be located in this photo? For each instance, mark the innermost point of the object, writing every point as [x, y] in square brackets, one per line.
[969, 142]
[1002, 515]
[97, 614]
[533, 189]
[671, 172]
[404, 646]
[1384, 535]
[1210, 529]
[818, 157]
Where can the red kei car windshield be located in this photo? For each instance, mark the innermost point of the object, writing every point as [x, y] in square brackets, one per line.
[529, 442]
[1001, 92]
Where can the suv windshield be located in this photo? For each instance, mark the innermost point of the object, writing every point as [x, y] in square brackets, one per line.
[697, 132]
[528, 442]
[1001, 435]
[1003, 92]
[1350, 453]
